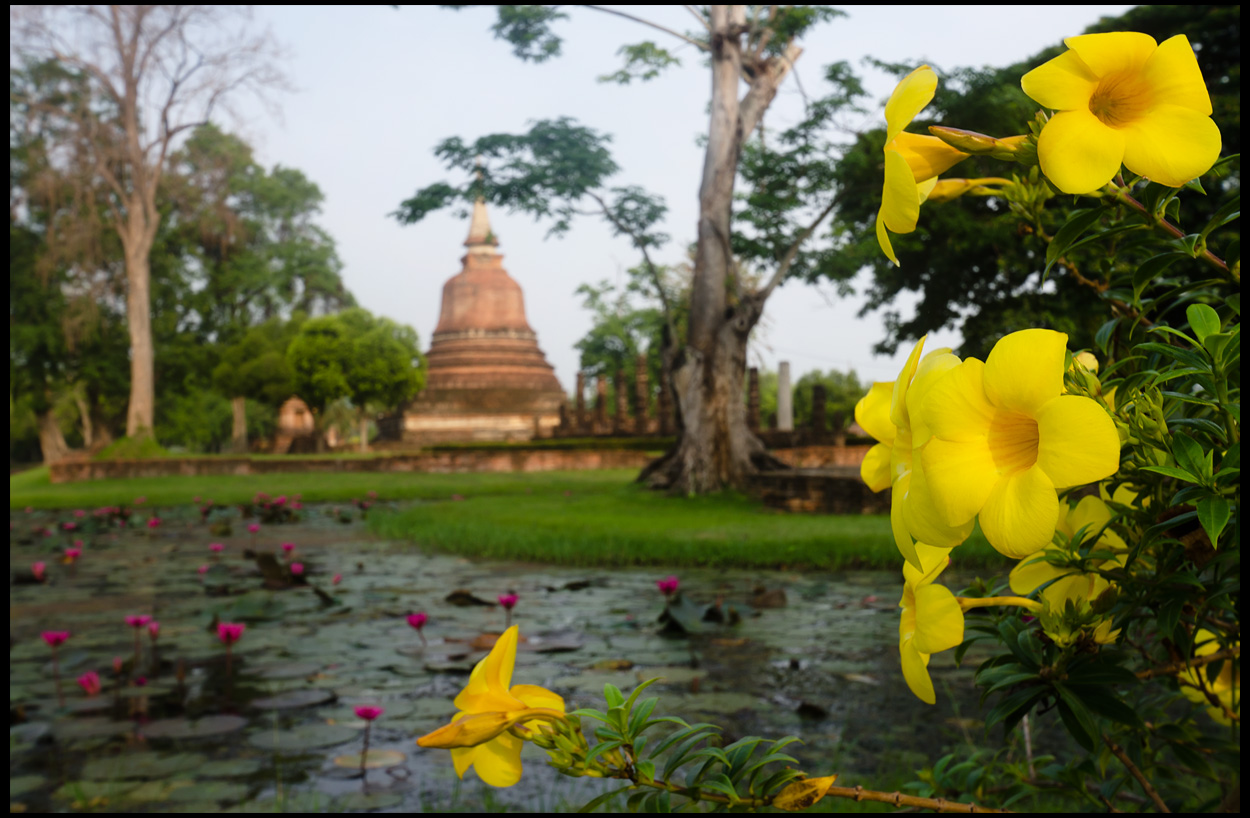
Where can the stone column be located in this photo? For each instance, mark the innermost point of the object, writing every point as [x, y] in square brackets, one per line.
[620, 423]
[785, 399]
[579, 416]
[641, 395]
[665, 408]
[601, 404]
[753, 398]
[820, 428]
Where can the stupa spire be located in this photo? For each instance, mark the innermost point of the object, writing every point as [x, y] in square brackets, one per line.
[480, 239]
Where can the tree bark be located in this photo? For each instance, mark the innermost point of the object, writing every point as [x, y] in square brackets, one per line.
[141, 411]
[715, 448]
[84, 416]
[238, 427]
[364, 431]
[51, 441]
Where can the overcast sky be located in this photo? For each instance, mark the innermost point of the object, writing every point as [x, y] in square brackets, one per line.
[376, 88]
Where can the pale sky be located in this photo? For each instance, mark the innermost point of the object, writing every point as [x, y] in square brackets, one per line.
[375, 89]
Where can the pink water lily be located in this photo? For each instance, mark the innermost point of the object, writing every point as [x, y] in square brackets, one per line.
[508, 601]
[38, 569]
[203, 569]
[154, 522]
[668, 585]
[368, 712]
[230, 632]
[288, 547]
[79, 513]
[252, 528]
[138, 621]
[90, 683]
[297, 568]
[55, 638]
[216, 547]
[337, 579]
[417, 620]
[154, 630]
[72, 554]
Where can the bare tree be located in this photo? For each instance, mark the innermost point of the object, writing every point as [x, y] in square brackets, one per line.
[161, 71]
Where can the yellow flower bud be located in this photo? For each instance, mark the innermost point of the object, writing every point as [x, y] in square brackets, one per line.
[470, 731]
[978, 143]
[800, 795]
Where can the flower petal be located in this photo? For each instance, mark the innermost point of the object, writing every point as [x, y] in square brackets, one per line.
[1113, 52]
[910, 96]
[883, 238]
[1174, 78]
[872, 412]
[900, 202]
[498, 762]
[535, 696]
[1063, 84]
[898, 526]
[955, 408]
[1171, 145]
[1025, 370]
[1078, 153]
[927, 156]
[487, 689]
[898, 402]
[932, 366]
[1090, 513]
[1077, 441]
[1032, 573]
[939, 619]
[960, 476]
[1019, 515]
[923, 518]
[916, 672]
[875, 468]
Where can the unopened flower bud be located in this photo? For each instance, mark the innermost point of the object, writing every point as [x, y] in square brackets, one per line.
[978, 143]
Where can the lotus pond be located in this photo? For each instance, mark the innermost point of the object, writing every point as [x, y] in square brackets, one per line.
[178, 723]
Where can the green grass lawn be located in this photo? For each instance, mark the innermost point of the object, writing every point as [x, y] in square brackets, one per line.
[571, 518]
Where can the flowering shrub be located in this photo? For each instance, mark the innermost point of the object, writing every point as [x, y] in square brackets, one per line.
[1109, 477]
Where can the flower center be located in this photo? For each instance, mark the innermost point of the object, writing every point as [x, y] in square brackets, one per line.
[1119, 100]
[1013, 442]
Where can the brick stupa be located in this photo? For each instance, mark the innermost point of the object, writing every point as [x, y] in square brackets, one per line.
[487, 379]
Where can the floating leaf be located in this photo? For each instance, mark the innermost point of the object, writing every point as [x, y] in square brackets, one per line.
[295, 698]
[302, 739]
[181, 728]
[376, 760]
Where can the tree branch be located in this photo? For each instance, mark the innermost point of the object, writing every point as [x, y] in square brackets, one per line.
[1119, 753]
[702, 20]
[1198, 661]
[652, 270]
[656, 26]
[764, 88]
[788, 259]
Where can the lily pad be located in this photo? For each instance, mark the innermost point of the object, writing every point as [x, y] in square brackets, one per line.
[230, 768]
[181, 728]
[92, 794]
[210, 792]
[141, 765]
[90, 728]
[359, 802]
[25, 783]
[295, 698]
[302, 739]
[289, 670]
[375, 760]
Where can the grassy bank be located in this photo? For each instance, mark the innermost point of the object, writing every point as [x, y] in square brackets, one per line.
[571, 518]
[573, 521]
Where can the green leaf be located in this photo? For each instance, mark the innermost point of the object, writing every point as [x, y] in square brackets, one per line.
[1077, 718]
[1203, 320]
[1103, 701]
[1171, 471]
[1190, 456]
[1102, 338]
[646, 770]
[1214, 513]
[682, 751]
[613, 695]
[599, 800]
[1077, 224]
[1013, 706]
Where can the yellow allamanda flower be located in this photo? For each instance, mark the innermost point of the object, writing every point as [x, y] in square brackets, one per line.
[1066, 584]
[912, 161]
[1005, 437]
[932, 620]
[1124, 99]
[478, 735]
[1226, 687]
[890, 412]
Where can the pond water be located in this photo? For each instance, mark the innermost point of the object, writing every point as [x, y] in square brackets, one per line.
[813, 655]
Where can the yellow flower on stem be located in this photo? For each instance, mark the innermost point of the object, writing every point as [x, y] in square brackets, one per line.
[932, 619]
[480, 735]
[1124, 99]
[912, 161]
[1005, 437]
[890, 412]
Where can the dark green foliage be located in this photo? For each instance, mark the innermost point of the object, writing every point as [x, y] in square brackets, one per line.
[842, 391]
[643, 61]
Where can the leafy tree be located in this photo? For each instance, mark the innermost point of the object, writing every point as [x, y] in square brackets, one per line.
[355, 355]
[842, 391]
[162, 70]
[256, 368]
[558, 167]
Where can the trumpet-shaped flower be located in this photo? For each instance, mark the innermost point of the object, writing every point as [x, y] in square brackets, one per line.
[478, 735]
[932, 620]
[1005, 437]
[891, 413]
[912, 161]
[1124, 99]
[1068, 585]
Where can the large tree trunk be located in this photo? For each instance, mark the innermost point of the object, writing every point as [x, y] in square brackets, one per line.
[364, 430]
[238, 426]
[141, 412]
[84, 416]
[715, 448]
[51, 441]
